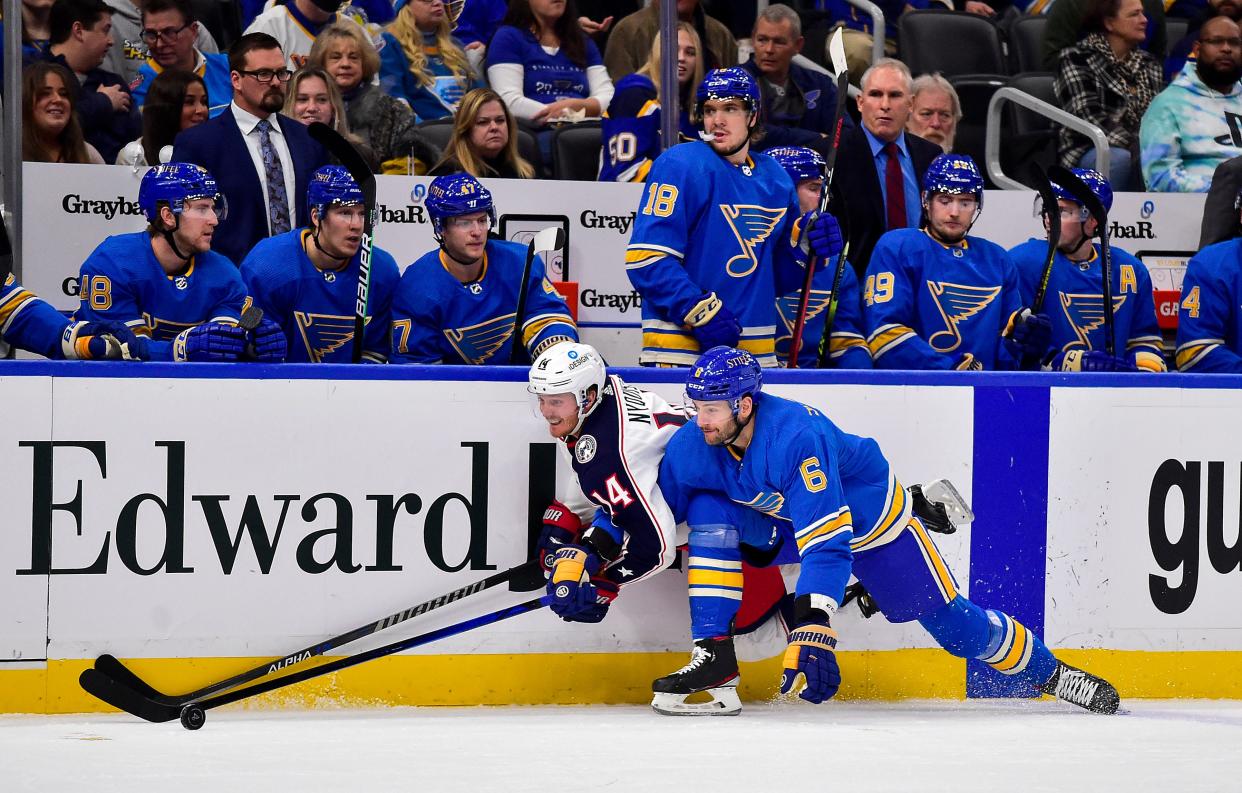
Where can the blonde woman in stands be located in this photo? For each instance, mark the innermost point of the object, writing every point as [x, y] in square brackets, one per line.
[422, 63]
[484, 142]
[313, 96]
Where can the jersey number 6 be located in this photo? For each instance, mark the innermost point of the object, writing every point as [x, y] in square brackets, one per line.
[812, 476]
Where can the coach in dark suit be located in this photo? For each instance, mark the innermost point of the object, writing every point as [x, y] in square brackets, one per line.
[880, 166]
[262, 160]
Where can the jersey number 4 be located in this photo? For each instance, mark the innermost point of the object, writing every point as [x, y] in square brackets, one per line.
[618, 496]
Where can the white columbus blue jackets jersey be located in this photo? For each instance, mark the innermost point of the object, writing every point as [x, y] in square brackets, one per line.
[847, 348]
[122, 280]
[1209, 323]
[707, 226]
[1074, 301]
[926, 304]
[438, 319]
[615, 460]
[832, 493]
[314, 307]
[28, 322]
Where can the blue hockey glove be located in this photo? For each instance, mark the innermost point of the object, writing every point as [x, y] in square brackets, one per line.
[266, 342]
[211, 341]
[1030, 333]
[1088, 361]
[712, 324]
[821, 236]
[578, 593]
[93, 341]
[560, 528]
[811, 655]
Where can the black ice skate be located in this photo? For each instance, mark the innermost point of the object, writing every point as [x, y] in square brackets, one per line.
[713, 669]
[1082, 689]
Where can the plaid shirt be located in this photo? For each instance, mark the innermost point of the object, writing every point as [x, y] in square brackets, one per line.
[1112, 94]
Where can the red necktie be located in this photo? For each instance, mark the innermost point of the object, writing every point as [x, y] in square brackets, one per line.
[894, 188]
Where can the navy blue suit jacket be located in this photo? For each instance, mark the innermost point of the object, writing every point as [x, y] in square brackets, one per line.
[218, 146]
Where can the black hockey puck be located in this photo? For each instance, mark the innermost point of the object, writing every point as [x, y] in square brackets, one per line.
[193, 717]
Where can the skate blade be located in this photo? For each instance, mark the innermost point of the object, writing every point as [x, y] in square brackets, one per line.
[724, 702]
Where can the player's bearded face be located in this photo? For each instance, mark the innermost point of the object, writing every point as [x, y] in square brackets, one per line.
[197, 225]
[561, 413]
[950, 216]
[341, 231]
[717, 422]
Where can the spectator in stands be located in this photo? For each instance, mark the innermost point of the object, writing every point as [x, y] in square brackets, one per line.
[383, 122]
[478, 22]
[1209, 325]
[263, 162]
[295, 24]
[177, 101]
[858, 35]
[1220, 216]
[484, 141]
[880, 165]
[169, 29]
[631, 127]
[1108, 81]
[312, 96]
[81, 36]
[36, 28]
[129, 51]
[630, 41]
[1179, 50]
[798, 103]
[51, 131]
[1068, 22]
[1192, 126]
[936, 110]
[422, 64]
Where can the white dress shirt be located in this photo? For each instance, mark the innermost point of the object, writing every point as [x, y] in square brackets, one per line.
[247, 123]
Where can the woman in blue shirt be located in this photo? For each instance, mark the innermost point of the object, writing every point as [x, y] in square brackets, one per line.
[422, 63]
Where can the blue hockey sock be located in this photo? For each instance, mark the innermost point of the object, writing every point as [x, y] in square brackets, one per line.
[715, 576]
[1000, 641]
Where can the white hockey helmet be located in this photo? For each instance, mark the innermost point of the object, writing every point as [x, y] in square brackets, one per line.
[569, 368]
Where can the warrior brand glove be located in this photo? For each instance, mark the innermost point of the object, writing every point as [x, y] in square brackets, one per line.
[1088, 361]
[1032, 333]
[560, 528]
[211, 341]
[578, 593]
[712, 324]
[266, 342]
[86, 341]
[811, 655]
[820, 236]
[968, 363]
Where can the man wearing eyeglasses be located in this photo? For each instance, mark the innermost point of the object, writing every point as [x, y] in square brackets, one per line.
[129, 51]
[1196, 123]
[169, 29]
[263, 161]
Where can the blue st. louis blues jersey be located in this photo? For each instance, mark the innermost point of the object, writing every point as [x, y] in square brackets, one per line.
[707, 226]
[926, 304]
[28, 322]
[631, 130]
[438, 319]
[122, 280]
[1074, 301]
[848, 347]
[832, 493]
[1209, 323]
[314, 307]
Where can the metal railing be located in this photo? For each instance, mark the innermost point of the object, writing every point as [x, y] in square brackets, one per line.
[878, 29]
[11, 131]
[992, 141]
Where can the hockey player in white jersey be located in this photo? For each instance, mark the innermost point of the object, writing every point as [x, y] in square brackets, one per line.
[612, 526]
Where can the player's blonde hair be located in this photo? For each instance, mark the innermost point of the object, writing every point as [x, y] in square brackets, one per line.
[410, 38]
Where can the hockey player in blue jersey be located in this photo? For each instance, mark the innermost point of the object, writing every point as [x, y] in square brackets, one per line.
[756, 473]
[718, 235]
[848, 347]
[1209, 322]
[32, 324]
[166, 283]
[936, 298]
[1074, 301]
[458, 303]
[306, 280]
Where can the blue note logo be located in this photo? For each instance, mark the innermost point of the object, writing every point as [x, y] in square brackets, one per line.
[1086, 314]
[957, 303]
[751, 225]
[476, 344]
[323, 334]
[767, 503]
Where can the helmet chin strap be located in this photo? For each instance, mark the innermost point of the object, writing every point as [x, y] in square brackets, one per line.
[462, 262]
[172, 243]
[741, 425]
[1083, 239]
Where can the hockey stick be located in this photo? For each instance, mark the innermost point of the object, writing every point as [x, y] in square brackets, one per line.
[1066, 178]
[523, 578]
[139, 703]
[344, 151]
[550, 239]
[1051, 212]
[837, 52]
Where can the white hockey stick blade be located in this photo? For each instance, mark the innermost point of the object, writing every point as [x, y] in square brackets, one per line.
[943, 492]
[836, 53]
[724, 702]
[550, 239]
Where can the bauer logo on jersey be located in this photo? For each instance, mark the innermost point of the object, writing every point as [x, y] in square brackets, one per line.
[584, 449]
[477, 343]
[324, 334]
[957, 303]
[751, 225]
[1086, 313]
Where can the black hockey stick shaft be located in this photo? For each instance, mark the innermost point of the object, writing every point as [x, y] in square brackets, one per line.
[825, 191]
[522, 578]
[1052, 217]
[1077, 188]
[536, 242]
[825, 339]
[349, 157]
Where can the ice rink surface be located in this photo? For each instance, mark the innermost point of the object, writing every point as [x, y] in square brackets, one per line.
[997, 745]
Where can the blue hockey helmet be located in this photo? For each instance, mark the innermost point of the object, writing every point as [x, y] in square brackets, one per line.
[1092, 179]
[732, 83]
[955, 174]
[457, 194]
[799, 162]
[331, 185]
[724, 373]
[174, 184]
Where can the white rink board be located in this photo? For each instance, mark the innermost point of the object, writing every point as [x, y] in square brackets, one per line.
[1106, 446]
